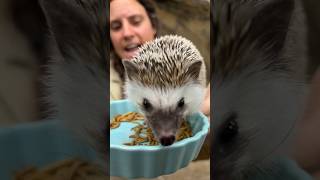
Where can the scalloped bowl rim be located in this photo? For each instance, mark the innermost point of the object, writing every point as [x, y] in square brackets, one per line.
[203, 132]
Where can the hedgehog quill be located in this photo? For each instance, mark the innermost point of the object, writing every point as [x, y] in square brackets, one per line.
[76, 81]
[166, 80]
[258, 75]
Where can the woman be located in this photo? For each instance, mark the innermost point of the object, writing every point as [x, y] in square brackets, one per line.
[132, 23]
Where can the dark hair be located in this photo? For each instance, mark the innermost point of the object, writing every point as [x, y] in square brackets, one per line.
[151, 12]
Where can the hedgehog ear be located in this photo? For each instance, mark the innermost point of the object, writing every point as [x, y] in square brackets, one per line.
[71, 27]
[131, 69]
[270, 25]
[194, 69]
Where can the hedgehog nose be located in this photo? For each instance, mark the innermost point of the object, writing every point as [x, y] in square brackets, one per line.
[167, 140]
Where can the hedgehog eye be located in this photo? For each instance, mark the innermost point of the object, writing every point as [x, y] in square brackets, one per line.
[229, 129]
[181, 103]
[146, 104]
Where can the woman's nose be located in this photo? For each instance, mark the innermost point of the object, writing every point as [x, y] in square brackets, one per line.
[127, 30]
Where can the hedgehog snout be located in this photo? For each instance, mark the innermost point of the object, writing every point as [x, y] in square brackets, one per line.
[164, 125]
[167, 140]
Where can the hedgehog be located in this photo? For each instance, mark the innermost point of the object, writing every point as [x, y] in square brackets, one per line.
[76, 78]
[258, 48]
[166, 81]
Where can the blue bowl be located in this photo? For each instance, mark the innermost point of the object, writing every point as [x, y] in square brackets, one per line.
[151, 161]
[38, 144]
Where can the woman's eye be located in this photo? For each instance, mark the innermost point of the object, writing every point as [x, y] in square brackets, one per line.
[115, 26]
[136, 20]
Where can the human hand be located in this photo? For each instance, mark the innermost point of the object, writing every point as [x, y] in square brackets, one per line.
[205, 107]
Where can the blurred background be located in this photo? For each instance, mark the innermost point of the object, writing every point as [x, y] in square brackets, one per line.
[30, 141]
[22, 60]
[313, 23]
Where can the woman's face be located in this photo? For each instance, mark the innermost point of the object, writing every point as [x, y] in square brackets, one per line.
[130, 27]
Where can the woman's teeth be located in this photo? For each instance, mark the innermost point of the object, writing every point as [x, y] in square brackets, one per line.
[131, 47]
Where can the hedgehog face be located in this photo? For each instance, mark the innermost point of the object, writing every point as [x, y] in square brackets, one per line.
[253, 123]
[164, 110]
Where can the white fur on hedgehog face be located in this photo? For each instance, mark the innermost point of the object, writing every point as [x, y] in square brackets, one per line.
[166, 115]
[192, 93]
[266, 107]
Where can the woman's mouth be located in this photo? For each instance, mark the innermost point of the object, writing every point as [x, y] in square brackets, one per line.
[132, 47]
